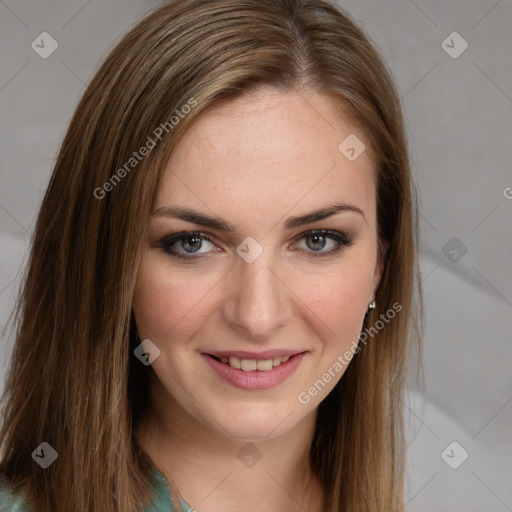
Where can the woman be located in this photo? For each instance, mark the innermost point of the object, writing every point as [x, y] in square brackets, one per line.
[220, 299]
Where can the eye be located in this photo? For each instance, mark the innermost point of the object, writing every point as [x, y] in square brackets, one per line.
[318, 240]
[185, 244]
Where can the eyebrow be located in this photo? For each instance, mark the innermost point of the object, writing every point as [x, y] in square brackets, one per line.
[195, 217]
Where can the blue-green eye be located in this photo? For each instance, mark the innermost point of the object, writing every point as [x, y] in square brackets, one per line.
[187, 245]
[321, 239]
[189, 242]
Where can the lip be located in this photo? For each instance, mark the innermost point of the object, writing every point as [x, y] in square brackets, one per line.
[258, 356]
[254, 380]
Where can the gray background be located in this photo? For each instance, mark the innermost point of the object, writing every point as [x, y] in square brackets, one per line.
[458, 113]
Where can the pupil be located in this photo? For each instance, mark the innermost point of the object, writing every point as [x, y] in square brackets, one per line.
[318, 244]
[197, 243]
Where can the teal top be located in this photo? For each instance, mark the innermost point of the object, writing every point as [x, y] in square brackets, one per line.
[161, 503]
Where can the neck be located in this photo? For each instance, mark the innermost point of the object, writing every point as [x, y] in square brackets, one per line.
[214, 472]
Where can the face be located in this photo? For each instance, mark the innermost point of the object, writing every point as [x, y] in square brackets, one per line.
[252, 301]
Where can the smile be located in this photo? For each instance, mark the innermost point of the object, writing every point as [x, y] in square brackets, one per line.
[254, 374]
[247, 365]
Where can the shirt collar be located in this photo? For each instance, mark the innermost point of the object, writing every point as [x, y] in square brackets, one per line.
[162, 501]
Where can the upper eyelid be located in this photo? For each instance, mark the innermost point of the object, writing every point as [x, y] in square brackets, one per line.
[326, 232]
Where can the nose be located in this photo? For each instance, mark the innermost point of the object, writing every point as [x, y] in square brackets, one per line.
[259, 301]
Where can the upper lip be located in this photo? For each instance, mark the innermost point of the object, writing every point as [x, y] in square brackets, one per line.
[258, 356]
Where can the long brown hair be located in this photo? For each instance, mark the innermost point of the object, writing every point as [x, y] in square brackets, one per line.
[74, 381]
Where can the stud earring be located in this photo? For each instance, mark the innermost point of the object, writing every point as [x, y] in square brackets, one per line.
[371, 305]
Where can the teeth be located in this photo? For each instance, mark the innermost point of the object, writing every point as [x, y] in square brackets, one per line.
[234, 362]
[249, 365]
[264, 365]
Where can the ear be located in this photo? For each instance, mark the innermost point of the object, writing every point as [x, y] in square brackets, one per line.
[382, 252]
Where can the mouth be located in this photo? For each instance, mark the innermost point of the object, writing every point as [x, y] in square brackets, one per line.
[261, 371]
[249, 365]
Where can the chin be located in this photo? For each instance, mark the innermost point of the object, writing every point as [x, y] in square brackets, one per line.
[254, 433]
[256, 423]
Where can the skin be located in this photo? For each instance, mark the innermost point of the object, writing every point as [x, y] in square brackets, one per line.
[254, 161]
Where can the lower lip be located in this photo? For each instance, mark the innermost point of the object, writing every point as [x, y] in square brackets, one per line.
[255, 379]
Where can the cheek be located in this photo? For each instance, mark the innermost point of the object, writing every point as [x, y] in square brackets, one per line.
[338, 300]
[165, 301]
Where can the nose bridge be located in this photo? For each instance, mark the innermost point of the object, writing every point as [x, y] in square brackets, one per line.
[260, 302]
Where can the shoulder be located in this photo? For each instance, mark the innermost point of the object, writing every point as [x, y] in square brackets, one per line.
[9, 502]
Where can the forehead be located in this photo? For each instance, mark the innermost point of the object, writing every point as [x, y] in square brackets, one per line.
[268, 150]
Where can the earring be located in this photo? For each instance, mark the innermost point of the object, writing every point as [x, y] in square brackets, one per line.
[371, 305]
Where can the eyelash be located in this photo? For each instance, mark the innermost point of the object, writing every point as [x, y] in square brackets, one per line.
[340, 238]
